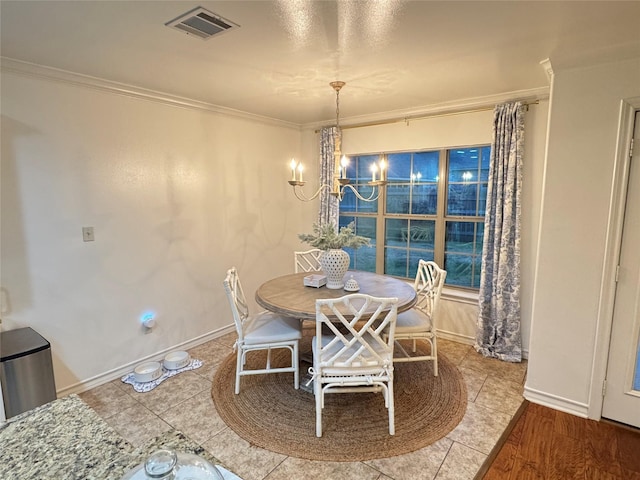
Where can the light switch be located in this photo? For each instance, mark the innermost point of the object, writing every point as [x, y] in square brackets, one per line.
[87, 234]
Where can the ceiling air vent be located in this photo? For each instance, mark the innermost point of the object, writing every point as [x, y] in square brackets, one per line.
[202, 23]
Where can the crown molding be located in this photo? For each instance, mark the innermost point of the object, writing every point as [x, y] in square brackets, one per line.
[20, 67]
[468, 105]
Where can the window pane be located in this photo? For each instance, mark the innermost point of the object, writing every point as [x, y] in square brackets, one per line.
[461, 199]
[467, 188]
[396, 235]
[406, 242]
[397, 232]
[352, 167]
[460, 237]
[345, 220]
[364, 226]
[485, 161]
[479, 238]
[422, 234]
[348, 203]
[363, 258]
[395, 261]
[459, 270]
[482, 201]
[426, 164]
[359, 172]
[399, 167]
[398, 198]
[366, 192]
[463, 162]
[414, 257]
[363, 167]
[424, 199]
[463, 250]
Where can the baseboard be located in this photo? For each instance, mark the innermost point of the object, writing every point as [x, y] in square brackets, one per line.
[118, 372]
[468, 340]
[556, 402]
[456, 337]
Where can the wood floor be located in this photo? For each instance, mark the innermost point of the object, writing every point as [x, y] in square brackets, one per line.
[548, 444]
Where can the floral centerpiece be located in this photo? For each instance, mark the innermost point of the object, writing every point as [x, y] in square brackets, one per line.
[334, 260]
[325, 237]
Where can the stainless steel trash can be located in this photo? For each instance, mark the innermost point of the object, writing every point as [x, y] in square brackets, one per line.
[26, 371]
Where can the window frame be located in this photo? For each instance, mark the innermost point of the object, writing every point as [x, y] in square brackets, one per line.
[440, 218]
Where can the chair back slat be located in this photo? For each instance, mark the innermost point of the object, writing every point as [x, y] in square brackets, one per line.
[428, 286]
[237, 301]
[308, 261]
[362, 329]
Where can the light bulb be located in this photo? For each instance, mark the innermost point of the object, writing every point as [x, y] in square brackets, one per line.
[293, 169]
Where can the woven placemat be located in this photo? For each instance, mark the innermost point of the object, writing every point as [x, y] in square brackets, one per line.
[271, 414]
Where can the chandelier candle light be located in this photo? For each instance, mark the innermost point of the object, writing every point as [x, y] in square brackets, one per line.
[339, 182]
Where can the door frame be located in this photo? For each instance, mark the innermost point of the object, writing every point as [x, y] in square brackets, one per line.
[617, 205]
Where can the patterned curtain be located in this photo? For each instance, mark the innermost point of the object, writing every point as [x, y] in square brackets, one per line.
[498, 333]
[328, 203]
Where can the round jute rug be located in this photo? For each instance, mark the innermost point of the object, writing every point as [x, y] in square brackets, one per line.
[271, 414]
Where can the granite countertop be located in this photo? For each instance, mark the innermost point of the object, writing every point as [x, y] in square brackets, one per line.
[66, 439]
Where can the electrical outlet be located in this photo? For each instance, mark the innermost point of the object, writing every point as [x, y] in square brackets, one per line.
[87, 234]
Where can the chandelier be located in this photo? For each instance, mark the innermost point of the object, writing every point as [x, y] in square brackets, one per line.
[339, 183]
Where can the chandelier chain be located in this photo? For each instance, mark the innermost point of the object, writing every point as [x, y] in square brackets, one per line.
[338, 109]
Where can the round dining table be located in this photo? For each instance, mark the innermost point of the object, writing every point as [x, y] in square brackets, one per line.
[287, 295]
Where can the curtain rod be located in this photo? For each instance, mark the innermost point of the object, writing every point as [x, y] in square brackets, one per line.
[408, 118]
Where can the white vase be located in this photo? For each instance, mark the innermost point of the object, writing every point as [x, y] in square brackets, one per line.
[335, 263]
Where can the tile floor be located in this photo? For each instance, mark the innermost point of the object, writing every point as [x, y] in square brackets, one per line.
[184, 403]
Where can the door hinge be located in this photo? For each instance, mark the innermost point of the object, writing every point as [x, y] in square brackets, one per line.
[604, 387]
[617, 273]
[631, 148]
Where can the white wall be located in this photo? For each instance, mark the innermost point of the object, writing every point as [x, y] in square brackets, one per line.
[176, 196]
[458, 318]
[583, 131]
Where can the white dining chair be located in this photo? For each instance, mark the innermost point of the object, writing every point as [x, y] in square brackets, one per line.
[263, 331]
[307, 261]
[419, 323]
[353, 349]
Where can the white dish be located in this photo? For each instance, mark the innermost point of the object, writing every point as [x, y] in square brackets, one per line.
[147, 372]
[176, 360]
[351, 285]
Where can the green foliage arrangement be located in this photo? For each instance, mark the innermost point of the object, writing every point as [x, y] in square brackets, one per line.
[325, 237]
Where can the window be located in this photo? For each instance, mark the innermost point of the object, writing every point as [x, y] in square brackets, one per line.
[432, 208]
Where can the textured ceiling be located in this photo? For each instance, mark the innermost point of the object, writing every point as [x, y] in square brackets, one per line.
[394, 55]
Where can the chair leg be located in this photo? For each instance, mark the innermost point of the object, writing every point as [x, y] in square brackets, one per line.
[317, 390]
[296, 364]
[392, 416]
[434, 352]
[239, 363]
